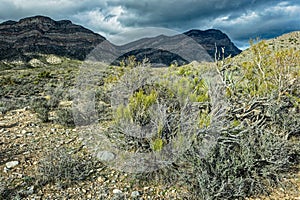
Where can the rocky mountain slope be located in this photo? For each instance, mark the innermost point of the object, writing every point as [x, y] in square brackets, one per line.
[24, 39]
[43, 35]
[212, 38]
[194, 45]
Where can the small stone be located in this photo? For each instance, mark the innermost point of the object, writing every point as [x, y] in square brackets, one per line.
[89, 196]
[53, 130]
[105, 156]
[100, 179]
[29, 134]
[30, 190]
[32, 125]
[135, 194]
[117, 191]
[11, 164]
[5, 170]
[26, 108]
[24, 132]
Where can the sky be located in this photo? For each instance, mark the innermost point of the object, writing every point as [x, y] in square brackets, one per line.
[239, 19]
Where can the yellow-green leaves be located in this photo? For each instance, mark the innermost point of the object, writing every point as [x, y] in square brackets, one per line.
[157, 144]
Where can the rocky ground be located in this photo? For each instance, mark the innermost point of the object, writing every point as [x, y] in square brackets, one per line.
[26, 143]
[29, 149]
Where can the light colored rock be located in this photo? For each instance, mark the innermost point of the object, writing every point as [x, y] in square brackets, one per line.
[31, 190]
[105, 155]
[100, 179]
[135, 194]
[117, 191]
[65, 103]
[53, 60]
[5, 170]
[18, 62]
[36, 63]
[11, 164]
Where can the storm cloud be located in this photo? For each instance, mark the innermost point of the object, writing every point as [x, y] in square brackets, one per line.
[240, 19]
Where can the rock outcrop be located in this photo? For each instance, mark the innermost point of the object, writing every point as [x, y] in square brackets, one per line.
[42, 35]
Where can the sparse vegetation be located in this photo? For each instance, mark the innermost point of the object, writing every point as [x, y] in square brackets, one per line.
[62, 167]
[256, 145]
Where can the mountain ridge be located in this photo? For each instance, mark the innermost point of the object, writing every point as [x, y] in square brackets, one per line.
[42, 35]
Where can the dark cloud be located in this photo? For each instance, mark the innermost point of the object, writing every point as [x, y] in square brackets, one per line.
[16, 9]
[240, 19]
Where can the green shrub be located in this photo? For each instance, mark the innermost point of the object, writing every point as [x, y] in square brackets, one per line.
[44, 74]
[65, 117]
[41, 107]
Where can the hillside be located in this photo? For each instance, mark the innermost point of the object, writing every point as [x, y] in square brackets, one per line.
[283, 42]
[42, 35]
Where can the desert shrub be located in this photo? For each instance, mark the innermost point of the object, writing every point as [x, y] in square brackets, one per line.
[153, 110]
[129, 62]
[256, 150]
[63, 167]
[5, 106]
[65, 117]
[44, 74]
[137, 109]
[10, 191]
[41, 107]
[267, 71]
[7, 80]
[238, 167]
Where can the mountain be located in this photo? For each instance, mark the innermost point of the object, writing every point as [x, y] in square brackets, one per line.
[160, 50]
[212, 38]
[24, 39]
[163, 50]
[43, 35]
[192, 45]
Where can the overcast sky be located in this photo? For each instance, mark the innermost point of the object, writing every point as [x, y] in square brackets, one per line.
[240, 19]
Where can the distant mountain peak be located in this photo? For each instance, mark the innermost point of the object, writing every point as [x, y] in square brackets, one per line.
[37, 18]
[211, 38]
[41, 34]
